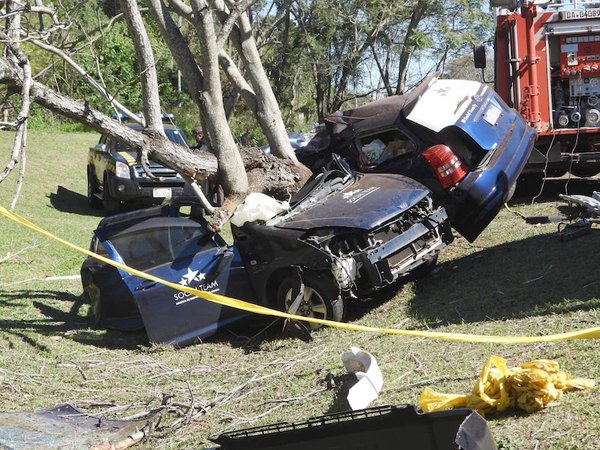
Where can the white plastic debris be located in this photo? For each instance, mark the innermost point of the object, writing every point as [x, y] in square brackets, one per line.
[370, 379]
[372, 151]
[257, 206]
[591, 203]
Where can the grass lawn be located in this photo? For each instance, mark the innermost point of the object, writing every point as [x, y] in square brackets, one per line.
[515, 279]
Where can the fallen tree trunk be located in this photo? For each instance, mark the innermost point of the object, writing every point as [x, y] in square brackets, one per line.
[267, 174]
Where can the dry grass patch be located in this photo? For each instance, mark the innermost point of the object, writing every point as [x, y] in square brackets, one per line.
[516, 279]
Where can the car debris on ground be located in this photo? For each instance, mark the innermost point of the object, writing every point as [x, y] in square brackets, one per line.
[65, 426]
[383, 427]
[370, 378]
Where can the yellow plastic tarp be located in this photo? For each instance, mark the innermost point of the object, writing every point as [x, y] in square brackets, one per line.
[530, 387]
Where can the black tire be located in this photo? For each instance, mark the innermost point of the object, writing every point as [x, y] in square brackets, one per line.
[92, 189]
[110, 204]
[321, 300]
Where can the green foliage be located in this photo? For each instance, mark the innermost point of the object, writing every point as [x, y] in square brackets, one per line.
[110, 60]
[334, 46]
[319, 56]
[245, 129]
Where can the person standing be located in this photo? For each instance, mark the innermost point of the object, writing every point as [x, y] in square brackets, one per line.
[199, 137]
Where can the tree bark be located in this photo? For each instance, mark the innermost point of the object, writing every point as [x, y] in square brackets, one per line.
[267, 109]
[145, 57]
[407, 45]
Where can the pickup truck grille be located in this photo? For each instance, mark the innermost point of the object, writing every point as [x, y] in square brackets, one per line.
[164, 176]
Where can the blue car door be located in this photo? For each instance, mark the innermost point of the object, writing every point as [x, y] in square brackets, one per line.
[185, 254]
[178, 318]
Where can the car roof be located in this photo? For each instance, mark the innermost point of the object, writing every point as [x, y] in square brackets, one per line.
[379, 114]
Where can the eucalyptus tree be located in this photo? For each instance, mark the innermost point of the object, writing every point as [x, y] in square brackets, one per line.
[34, 26]
[424, 36]
[366, 48]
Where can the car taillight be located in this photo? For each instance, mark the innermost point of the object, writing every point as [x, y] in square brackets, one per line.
[448, 168]
[122, 170]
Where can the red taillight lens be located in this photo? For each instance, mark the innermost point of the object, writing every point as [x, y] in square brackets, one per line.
[448, 168]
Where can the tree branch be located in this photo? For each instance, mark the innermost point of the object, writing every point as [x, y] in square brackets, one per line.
[145, 56]
[118, 106]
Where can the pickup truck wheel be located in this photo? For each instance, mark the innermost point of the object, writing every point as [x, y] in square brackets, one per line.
[110, 204]
[321, 298]
[92, 189]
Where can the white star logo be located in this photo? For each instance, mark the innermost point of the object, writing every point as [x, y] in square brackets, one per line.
[189, 277]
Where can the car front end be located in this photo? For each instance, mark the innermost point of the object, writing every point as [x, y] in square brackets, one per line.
[131, 182]
[365, 231]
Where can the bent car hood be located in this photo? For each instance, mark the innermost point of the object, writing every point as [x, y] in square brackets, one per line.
[372, 200]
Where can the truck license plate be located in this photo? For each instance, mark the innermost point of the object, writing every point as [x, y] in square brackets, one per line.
[161, 192]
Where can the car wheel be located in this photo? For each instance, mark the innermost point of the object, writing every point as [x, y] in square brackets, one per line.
[110, 204]
[92, 189]
[321, 298]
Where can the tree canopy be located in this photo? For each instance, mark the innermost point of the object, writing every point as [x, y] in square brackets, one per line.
[246, 71]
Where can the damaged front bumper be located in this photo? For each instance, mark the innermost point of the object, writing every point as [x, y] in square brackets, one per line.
[405, 252]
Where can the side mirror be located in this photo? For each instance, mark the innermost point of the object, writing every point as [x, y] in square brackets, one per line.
[479, 56]
[100, 148]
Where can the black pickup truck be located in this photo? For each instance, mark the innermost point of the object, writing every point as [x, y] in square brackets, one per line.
[115, 176]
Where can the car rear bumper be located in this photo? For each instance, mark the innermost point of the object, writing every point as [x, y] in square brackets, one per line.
[481, 194]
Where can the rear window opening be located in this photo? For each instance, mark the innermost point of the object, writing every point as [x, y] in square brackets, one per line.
[376, 149]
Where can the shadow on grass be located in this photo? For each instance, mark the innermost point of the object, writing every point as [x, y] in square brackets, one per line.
[250, 333]
[58, 321]
[66, 200]
[532, 277]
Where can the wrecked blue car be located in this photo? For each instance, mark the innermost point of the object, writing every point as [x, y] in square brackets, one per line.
[456, 137]
[344, 234]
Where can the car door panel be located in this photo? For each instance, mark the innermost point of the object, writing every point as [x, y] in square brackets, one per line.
[178, 318]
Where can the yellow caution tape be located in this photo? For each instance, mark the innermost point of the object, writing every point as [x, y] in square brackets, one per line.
[531, 386]
[589, 333]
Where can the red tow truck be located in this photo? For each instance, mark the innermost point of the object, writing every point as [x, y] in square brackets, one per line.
[547, 66]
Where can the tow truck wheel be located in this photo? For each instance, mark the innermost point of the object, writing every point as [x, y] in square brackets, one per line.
[321, 298]
[110, 204]
[584, 171]
[92, 189]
